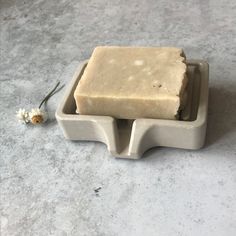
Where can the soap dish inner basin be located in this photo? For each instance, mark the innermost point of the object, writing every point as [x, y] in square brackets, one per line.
[189, 113]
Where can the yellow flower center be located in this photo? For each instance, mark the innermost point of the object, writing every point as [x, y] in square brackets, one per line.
[38, 119]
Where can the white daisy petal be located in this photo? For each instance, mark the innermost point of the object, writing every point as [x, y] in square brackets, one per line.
[22, 116]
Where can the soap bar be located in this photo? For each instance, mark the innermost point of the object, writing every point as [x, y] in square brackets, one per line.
[133, 82]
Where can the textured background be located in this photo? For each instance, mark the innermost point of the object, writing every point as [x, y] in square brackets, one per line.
[47, 183]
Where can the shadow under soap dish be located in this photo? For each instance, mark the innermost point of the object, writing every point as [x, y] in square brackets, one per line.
[131, 138]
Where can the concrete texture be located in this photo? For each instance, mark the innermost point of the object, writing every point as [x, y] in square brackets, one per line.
[48, 184]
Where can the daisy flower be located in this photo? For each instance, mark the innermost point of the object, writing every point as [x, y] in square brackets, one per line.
[37, 116]
[23, 116]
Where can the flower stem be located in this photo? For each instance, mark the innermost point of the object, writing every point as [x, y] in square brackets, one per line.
[51, 93]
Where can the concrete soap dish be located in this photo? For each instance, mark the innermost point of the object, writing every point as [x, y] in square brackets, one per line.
[131, 138]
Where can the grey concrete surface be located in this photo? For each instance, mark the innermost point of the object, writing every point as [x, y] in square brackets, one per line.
[48, 184]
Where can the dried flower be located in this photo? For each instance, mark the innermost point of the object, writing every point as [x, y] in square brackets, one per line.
[37, 116]
[23, 116]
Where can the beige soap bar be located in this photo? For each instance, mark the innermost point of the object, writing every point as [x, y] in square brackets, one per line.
[133, 82]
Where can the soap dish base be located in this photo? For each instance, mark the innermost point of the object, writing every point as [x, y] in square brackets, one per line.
[131, 138]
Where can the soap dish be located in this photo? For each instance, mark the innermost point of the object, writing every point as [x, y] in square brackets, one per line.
[131, 138]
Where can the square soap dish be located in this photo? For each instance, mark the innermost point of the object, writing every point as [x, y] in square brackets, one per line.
[131, 138]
